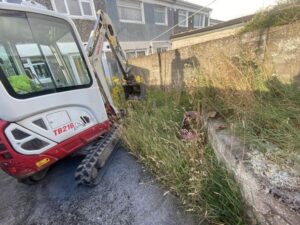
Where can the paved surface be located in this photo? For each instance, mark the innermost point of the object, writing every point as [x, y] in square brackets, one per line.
[127, 195]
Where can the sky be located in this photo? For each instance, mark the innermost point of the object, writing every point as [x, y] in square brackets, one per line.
[230, 9]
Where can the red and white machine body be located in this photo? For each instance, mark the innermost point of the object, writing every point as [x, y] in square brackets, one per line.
[57, 108]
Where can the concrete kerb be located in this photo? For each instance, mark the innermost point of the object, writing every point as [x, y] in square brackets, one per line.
[272, 195]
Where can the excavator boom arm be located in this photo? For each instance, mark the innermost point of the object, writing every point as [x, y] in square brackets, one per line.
[103, 29]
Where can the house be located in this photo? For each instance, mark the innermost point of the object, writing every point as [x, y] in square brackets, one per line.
[142, 25]
[139, 23]
[217, 31]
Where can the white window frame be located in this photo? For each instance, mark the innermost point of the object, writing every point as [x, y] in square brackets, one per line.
[135, 51]
[186, 18]
[88, 17]
[203, 21]
[29, 65]
[132, 21]
[93, 10]
[166, 15]
[130, 51]
[140, 50]
[5, 1]
[162, 48]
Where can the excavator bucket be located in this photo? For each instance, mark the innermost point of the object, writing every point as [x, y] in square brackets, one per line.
[134, 89]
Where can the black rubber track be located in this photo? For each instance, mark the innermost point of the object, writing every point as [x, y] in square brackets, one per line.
[92, 168]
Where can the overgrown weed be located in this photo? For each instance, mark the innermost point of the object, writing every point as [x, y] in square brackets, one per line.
[188, 169]
[285, 12]
[263, 109]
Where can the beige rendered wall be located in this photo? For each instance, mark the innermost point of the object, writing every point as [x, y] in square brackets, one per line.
[277, 47]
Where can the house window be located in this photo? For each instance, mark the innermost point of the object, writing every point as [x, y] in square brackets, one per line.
[75, 8]
[160, 15]
[130, 12]
[183, 18]
[198, 20]
[207, 21]
[161, 50]
[60, 6]
[12, 1]
[86, 7]
[130, 54]
[136, 53]
[141, 52]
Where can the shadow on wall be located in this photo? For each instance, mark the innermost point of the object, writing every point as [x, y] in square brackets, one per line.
[162, 72]
[178, 67]
[297, 79]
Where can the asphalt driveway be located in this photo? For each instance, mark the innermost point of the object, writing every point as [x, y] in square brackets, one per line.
[127, 195]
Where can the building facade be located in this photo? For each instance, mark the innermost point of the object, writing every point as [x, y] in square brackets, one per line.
[142, 25]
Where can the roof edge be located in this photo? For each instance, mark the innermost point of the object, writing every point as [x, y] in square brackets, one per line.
[236, 21]
[190, 4]
[186, 4]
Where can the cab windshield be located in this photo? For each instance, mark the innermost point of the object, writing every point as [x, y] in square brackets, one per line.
[39, 55]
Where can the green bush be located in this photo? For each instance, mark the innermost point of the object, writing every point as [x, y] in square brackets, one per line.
[286, 12]
[22, 84]
[261, 107]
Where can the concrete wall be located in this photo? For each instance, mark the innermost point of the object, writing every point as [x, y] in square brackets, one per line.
[278, 48]
[263, 188]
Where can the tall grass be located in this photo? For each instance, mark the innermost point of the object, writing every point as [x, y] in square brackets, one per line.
[285, 12]
[262, 109]
[258, 106]
[188, 169]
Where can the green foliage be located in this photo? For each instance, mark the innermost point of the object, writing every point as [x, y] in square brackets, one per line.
[275, 119]
[188, 169]
[22, 84]
[285, 12]
[259, 107]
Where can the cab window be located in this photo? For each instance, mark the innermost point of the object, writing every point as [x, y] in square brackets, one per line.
[39, 55]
